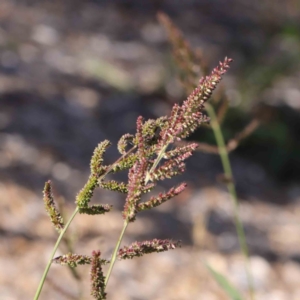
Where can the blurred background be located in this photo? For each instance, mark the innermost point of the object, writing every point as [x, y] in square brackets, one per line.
[73, 73]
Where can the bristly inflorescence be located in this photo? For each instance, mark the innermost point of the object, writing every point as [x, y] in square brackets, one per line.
[97, 168]
[72, 260]
[185, 119]
[161, 198]
[148, 159]
[186, 59]
[51, 209]
[97, 277]
[138, 249]
[136, 183]
[97, 171]
[124, 141]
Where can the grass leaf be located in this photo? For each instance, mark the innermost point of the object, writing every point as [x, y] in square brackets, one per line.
[227, 287]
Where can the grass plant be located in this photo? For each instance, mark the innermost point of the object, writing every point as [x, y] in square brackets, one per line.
[190, 64]
[150, 155]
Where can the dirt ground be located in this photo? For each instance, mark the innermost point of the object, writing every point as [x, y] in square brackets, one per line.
[73, 73]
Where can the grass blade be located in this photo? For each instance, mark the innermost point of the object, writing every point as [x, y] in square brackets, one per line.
[226, 286]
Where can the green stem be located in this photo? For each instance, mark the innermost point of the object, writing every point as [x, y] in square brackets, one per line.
[231, 188]
[39, 289]
[114, 256]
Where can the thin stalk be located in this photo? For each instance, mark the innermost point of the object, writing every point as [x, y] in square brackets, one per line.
[39, 289]
[155, 164]
[232, 191]
[114, 256]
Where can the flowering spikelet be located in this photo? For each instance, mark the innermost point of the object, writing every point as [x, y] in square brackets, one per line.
[181, 150]
[147, 188]
[151, 129]
[173, 166]
[51, 209]
[113, 185]
[95, 209]
[185, 119]
[97, 277]
[138, 249]
[207, 84]
[140, 137]
[162, 197]
[136, 178]
[72, 260]
[185, 57]
[97, 159]
[125, 163]
[97, 170]
[86, 193]
[167, 170]
[124, 141]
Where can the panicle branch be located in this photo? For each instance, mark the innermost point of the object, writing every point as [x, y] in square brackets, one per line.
[113, 185]
[136, 182]
[99, 209]
[124, 141]
[97, 277]
[185, 57]
[72, 260]
[54, 214]
[97, 171]
[162, 197]
[178, 151]
[185, 119]
[138, 249]
[125, 163]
